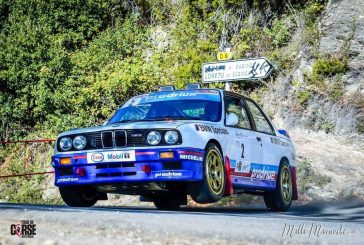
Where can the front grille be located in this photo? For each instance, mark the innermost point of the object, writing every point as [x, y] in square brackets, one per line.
[107, 139]
[118, 139]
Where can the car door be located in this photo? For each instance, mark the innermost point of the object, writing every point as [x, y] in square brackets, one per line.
[244, 149]
[268, 169]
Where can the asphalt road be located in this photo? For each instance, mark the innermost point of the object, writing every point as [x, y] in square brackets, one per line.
[317, 223]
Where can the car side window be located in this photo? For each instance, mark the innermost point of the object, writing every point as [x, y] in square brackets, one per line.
[260, 120]
[233, 105]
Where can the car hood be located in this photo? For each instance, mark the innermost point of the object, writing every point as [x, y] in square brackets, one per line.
[131, 125]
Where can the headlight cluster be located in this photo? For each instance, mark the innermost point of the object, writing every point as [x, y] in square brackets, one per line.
[79, 143]
[155, 137]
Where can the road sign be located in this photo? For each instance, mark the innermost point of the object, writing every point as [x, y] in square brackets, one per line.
[224, 55]
[247, 69]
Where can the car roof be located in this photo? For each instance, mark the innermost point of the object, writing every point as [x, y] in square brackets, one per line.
[222, 91]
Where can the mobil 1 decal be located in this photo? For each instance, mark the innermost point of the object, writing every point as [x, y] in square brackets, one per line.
[210, 129]
[254, 170]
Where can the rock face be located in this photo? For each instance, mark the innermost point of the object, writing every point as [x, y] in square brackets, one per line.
[336, 157]
[342, 27]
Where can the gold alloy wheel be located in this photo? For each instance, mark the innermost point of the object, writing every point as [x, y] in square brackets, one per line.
[215, 171]
[286, 184]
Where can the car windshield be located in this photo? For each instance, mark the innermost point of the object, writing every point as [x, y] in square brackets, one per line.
[172, 105]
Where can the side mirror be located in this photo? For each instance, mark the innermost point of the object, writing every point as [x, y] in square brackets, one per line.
[284, 132]
[232, 119]
[105, 123]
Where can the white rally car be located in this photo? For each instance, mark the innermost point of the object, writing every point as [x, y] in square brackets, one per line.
[163, 146]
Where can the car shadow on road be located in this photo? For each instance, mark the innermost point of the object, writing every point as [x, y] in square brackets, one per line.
[349, 210]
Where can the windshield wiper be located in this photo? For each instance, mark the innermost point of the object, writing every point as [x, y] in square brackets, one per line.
[125, 121]
[173, 118]
[158, 119]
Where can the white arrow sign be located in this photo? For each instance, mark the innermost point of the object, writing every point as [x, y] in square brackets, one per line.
[246, 69]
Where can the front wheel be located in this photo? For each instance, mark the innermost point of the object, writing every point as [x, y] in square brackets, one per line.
[212, 188]
[78, 196]
[281, 198]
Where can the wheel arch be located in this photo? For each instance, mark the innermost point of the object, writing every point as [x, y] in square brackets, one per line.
[294, 177]
[284, 158]
[226, 162]
[214, 141]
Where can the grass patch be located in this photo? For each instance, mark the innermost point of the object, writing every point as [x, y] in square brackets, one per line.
[306, 177]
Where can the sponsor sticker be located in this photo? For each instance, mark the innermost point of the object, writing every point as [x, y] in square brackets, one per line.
[278, 141]
[239, 134]
[242, 166]
[211, 129]
[111, 156]
[254, 171]
[263, 174]
[191, 157]
[69, 179]
[168, 174]
[97, 157]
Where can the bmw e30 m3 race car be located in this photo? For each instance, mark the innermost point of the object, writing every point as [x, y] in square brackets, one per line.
[206, 143]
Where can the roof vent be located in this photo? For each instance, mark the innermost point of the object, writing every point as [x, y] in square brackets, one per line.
[166, 88]
[193, 86]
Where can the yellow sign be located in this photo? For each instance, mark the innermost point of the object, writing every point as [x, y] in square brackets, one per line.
[224, 56]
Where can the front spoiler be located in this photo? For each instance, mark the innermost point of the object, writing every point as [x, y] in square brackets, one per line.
[186, 165]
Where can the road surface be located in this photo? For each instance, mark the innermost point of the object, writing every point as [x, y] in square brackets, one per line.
[318, 223]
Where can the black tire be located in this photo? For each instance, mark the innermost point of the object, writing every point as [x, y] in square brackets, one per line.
[202, 192]
[276, 200]
[169, 202]
[78, 196]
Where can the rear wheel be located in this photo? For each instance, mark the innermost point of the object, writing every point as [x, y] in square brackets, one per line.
[169, 202]
[280, 200]
[212, 188]
[78, 196]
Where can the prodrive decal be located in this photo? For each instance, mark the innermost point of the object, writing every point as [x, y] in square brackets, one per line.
[111, 156]
[69, 179]
[168, 174]
[257, 171]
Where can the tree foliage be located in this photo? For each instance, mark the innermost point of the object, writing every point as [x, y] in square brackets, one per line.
[71, 63]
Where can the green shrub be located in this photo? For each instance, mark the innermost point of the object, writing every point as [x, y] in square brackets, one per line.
[303, 96]
[336, 90]
[327, 127]
[328, 67]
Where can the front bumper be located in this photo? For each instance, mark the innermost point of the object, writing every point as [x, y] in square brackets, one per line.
[185, 165]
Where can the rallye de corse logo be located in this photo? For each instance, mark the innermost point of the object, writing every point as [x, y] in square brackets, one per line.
[111, 156]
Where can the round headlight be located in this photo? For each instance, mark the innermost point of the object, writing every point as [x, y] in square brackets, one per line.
[79, 142]
[65, 144]
[153, 138]
[171, 137]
